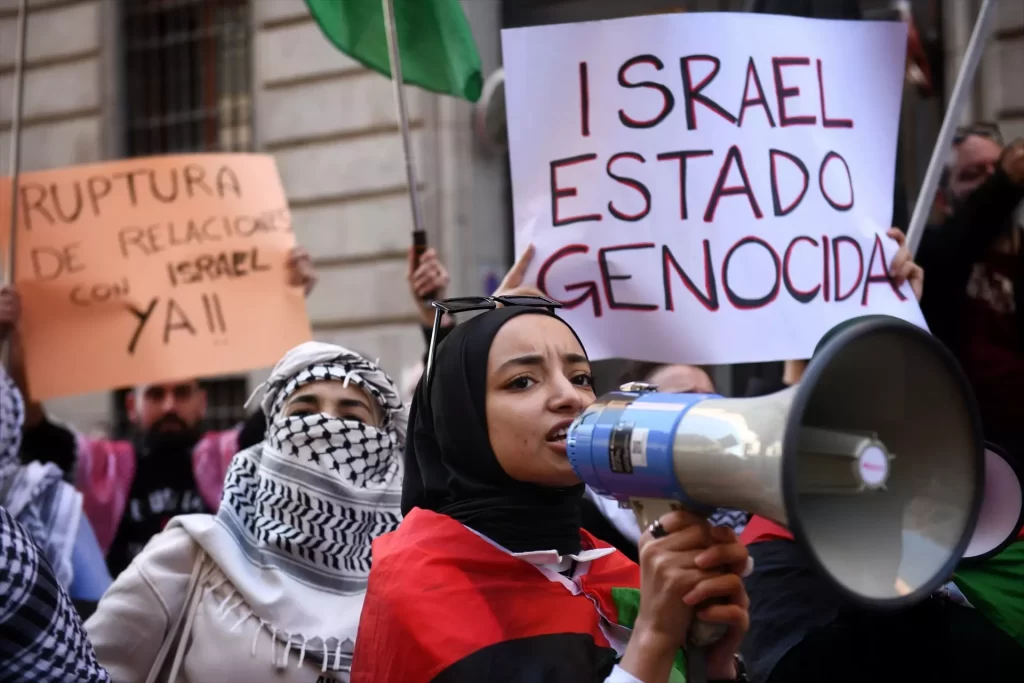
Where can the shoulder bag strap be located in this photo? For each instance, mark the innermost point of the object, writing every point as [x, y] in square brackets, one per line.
[173, 635]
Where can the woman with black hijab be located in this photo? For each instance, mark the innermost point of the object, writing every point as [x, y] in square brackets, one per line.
[490, 577]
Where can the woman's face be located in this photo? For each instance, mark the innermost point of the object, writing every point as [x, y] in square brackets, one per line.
[538, 381]
[335, 399]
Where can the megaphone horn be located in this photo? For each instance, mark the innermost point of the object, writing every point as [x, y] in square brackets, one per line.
[874, 461]
[1002, 510]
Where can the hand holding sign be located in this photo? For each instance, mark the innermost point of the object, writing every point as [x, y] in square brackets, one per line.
[151, 270]
[1013, 161]
[903, 268]
[512, 284]
[301, 272]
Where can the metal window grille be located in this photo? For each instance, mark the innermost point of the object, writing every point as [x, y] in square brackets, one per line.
[188, 88]
[188, 76]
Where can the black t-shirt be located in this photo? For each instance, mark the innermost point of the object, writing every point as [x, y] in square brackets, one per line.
[164, 487]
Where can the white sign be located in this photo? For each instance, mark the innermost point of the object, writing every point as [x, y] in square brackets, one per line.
[707, 188]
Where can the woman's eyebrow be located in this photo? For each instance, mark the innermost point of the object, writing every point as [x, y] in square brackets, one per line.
[533, 360]
[304, 399]
[354, 403]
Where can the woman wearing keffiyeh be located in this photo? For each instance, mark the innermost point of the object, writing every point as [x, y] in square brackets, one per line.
[277, 577]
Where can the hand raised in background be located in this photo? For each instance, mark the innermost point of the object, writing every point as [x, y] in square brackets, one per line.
[514, 282]
[301, 272]
[903, 268]
[1012, 161]
[427, 278]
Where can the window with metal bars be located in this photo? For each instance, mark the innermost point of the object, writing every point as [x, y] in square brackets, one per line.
[188, 88]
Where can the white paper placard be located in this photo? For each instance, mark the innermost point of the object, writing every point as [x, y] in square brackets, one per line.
[707, 188]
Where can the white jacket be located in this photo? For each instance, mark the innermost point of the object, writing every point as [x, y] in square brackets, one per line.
[173, 583]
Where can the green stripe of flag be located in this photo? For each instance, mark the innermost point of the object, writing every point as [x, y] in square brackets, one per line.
[996, 589]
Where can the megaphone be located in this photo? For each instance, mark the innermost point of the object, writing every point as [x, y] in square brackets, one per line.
[874, 460]
[1002, 510]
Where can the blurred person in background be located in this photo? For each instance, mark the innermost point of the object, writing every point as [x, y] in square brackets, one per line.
[171, 464]
[36, 495]
[272, 586]
[975, 265]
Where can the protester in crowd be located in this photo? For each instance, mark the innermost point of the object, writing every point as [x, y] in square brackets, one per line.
[490, 576]
[36, 495]
[272, 585]
[973, 301]
[41, 636]
[171, 465]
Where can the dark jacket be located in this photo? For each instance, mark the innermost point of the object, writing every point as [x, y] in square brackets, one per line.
[949, 251]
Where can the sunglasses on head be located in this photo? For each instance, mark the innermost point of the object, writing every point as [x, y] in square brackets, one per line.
[982, 129]
[465, 304]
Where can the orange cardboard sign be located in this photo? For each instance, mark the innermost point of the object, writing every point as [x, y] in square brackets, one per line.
[152, 270]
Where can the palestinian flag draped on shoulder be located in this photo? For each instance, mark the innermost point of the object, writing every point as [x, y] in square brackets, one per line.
[434, 39]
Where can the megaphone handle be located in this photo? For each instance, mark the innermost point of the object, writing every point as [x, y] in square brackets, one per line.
[647, 510]
[696, 665]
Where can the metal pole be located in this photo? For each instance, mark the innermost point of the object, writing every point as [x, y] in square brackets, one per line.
[957, 101]
[403, 116]
[15, 166]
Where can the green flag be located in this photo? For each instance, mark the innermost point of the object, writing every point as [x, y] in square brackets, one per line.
[436, 44]
[996, 588]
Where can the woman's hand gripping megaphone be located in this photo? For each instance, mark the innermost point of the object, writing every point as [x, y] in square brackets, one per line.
[690, 570]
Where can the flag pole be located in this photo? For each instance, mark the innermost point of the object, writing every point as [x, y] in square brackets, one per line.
[15, 164]
[957, 101]
[419, 232]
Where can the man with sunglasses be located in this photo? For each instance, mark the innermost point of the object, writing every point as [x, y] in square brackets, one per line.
[169, 465]
[974, 293]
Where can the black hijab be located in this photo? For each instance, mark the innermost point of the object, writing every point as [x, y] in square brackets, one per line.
[449, 464]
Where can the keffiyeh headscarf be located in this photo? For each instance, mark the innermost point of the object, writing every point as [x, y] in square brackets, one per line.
[36, 495]
[302, 507]
[41, 635]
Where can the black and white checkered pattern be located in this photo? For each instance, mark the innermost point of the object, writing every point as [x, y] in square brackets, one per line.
[359, 454]
[35, 494]
[41, 636]
[734, 519]
[12, 416]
